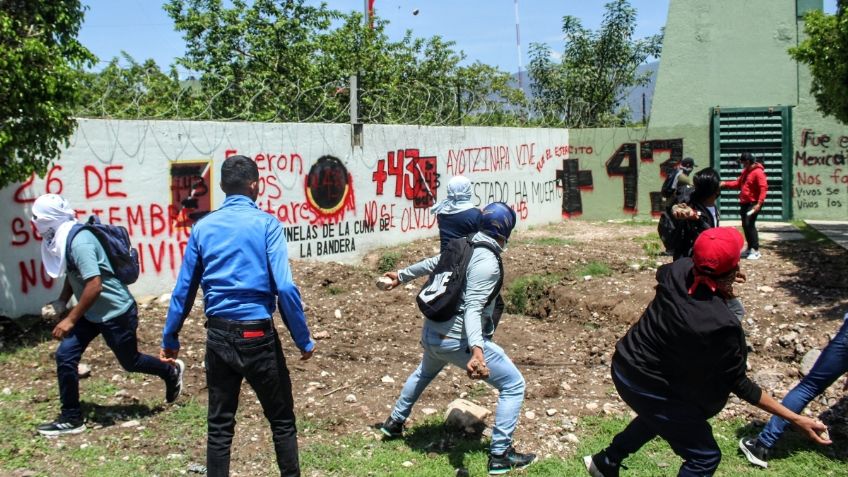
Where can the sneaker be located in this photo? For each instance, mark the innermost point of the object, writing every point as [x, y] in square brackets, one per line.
[61, 426]
[744, 253]
[174, 386]
[509, 460]
[599, 466]
[391, 428]
[754, 255]
[755, 452]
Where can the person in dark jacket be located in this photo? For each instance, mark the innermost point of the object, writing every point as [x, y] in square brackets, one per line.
[752, 185]
[677, 366]
[699, 213]
[456, 215]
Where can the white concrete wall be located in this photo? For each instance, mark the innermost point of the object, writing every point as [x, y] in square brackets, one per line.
[334, 209]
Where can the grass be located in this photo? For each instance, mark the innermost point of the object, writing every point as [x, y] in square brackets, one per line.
[594, 269]
[335, 290]
[651, 244]
[429, 449]
[524, 290]
[810, 233]
[388, 262]
[549, 241]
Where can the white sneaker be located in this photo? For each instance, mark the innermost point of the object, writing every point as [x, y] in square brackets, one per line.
[754, 255]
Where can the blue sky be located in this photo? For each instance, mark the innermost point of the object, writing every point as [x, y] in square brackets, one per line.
[483, 29]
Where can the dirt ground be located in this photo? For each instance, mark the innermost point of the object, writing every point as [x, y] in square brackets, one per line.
[795, 297]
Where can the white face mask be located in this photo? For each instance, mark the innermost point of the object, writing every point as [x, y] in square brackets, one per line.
[53, 217]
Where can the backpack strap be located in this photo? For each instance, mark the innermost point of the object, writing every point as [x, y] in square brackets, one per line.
[69, 262]
[497, 254]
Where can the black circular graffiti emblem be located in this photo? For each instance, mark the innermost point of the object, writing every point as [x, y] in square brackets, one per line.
[327, 183]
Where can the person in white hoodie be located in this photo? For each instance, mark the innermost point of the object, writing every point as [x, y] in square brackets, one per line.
[104, 307]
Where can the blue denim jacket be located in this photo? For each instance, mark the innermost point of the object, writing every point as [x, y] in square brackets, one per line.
[473, 320]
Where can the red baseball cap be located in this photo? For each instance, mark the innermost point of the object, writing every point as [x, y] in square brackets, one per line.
[716, 250]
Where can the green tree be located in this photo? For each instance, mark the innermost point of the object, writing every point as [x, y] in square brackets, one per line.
[825, 51]
[139, 90]
[40, 59]
[587, 87]
[290, 61]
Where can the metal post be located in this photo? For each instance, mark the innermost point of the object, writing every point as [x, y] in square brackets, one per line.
[518, 45]
[354, 100]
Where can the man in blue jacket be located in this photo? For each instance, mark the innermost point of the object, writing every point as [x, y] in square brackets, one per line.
[238, 255]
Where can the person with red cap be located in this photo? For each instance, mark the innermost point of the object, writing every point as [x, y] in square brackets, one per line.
[678, 364]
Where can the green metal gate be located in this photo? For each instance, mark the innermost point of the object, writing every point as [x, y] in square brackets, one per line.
[767, 134]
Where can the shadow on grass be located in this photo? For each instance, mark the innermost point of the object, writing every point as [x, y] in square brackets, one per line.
[24, 332]
[822, 276]
[436, 438]
[792, 442]
[109, 415]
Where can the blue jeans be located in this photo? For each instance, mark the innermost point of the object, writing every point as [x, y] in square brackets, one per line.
[832, 363]
[681, 424]
[504, 377]
[119, 333]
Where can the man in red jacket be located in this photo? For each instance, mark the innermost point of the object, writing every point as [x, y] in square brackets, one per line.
[753, 187]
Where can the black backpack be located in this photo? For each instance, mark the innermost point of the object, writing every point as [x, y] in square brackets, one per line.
[116, 242]
[668, 187]
[439, 298]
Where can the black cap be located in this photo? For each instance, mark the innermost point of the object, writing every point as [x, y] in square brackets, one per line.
[688, 162]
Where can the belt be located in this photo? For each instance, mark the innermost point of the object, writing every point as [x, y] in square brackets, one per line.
[233, 325]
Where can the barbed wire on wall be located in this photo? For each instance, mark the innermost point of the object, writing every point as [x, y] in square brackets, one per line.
[155, 96]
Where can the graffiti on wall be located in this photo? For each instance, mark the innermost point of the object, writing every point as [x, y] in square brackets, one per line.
[191, 195]
[647, 152]
[821, 172]
[415, 176]
[573, 181]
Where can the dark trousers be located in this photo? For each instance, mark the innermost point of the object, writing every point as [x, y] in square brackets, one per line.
[681, 424]
[749, 225]
[231, 357]
[120, 336]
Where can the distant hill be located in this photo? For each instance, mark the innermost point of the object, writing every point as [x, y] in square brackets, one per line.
[633, 98]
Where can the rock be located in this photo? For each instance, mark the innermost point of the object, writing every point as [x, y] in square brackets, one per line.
[765, 289]
[7, 391]
[116, 378]
[383, 283]
[350, 398]
[530, 415]
[387, 379]
[122, 393]
[592, 406]
[788, 338]
[337, 314]
[164, 299]
[133, 423]
[146, 300]
[175, 456]
[635, 267]
[83, 370]
[587, 278]
[809, 360]
[565, 386]
[196, 468]
[24, 473]
[768, 378]
[464, 414]
[429, 411]
[321, 335]
[551, 412]
[768, 308]
[407, 463]
[608, 408]
[572, 438]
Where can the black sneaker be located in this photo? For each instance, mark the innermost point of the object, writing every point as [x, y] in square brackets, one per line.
[509, 460]
[61, 426]
[755, 452]
[391, 428]
[599, 466]
[174, 386]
